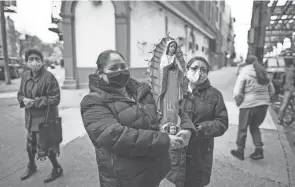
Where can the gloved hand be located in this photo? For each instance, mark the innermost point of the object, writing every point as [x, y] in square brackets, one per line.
[239, 99]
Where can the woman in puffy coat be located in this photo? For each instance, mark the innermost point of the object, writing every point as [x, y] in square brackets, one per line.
[205, 107]
[252, 94]
[119, 115]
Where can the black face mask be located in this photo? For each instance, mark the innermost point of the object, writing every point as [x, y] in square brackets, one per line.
[118, 79]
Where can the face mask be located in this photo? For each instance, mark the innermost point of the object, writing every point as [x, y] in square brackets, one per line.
[118, 79]
[196, 77]
[35, 66]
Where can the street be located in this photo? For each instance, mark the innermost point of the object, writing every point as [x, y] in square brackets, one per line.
[78, 159]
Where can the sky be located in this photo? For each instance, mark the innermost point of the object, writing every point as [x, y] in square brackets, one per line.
[34, 17]
[242, 11]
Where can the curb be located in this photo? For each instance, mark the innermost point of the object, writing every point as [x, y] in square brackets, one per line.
[8, 91]
[290, 157]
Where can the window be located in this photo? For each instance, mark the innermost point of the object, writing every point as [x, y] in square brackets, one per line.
[220, 20]
[203, 49]
[192, 42]
[212, 14]
[197, 47]
[201, 6]
[217, 14]
[209, 11]
[166, 24]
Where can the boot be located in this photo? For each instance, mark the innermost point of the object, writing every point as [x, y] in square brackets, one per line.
[57, 170]
[258, 154]
[238, 153]
[55, 173]
[31, 169]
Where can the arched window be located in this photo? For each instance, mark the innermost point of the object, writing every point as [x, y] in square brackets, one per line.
[192, 42]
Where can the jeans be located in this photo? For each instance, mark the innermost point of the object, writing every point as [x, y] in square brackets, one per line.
[287, 97]
[252, 117]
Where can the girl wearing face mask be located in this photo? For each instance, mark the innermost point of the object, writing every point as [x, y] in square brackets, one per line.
[205, 107]
[119, 115]
[39, 94]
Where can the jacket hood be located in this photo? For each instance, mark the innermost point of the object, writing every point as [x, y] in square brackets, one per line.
[257, 72]
[249, 71]
[100, 94]
[133, 88]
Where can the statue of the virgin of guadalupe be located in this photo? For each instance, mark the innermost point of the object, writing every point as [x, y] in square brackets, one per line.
[166, 71]
[170, 63]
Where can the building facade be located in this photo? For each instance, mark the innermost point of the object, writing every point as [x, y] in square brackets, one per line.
[11, 39]
[228, 35]
[133, 28]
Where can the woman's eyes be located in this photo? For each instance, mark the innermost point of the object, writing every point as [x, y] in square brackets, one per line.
[115, 68]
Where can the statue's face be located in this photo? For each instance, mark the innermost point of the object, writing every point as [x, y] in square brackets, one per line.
[173, 130]
[172, 47]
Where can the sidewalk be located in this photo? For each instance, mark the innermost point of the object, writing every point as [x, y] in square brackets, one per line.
[13, 87]
[15, 83]
[78, 160]
[80, 169]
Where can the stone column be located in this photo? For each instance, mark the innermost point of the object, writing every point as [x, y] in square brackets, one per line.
[70, 81]
[123, 35]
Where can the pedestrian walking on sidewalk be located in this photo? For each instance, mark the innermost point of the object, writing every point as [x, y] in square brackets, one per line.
[252, 94]
[120, 117]
[289, 91]
[39, 94]
[206, 108]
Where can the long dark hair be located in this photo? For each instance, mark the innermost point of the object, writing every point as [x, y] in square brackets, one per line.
[167, 51]
[260, 71]
[103, 57]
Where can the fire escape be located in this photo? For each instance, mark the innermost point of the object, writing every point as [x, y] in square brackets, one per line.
[282, 23]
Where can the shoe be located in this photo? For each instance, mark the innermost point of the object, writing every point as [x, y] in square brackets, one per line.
[257, 155]
[56, 173]
[31, 169]
[238, 154]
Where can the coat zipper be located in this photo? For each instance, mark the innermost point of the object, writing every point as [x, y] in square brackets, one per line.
[115, 170]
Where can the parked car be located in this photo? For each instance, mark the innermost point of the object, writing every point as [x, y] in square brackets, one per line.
[15, 68]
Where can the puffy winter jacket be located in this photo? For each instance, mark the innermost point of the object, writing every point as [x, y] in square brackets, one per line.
[130, 152]
[253, 94]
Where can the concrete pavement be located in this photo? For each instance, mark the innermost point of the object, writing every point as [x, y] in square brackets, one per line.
[78, 159]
